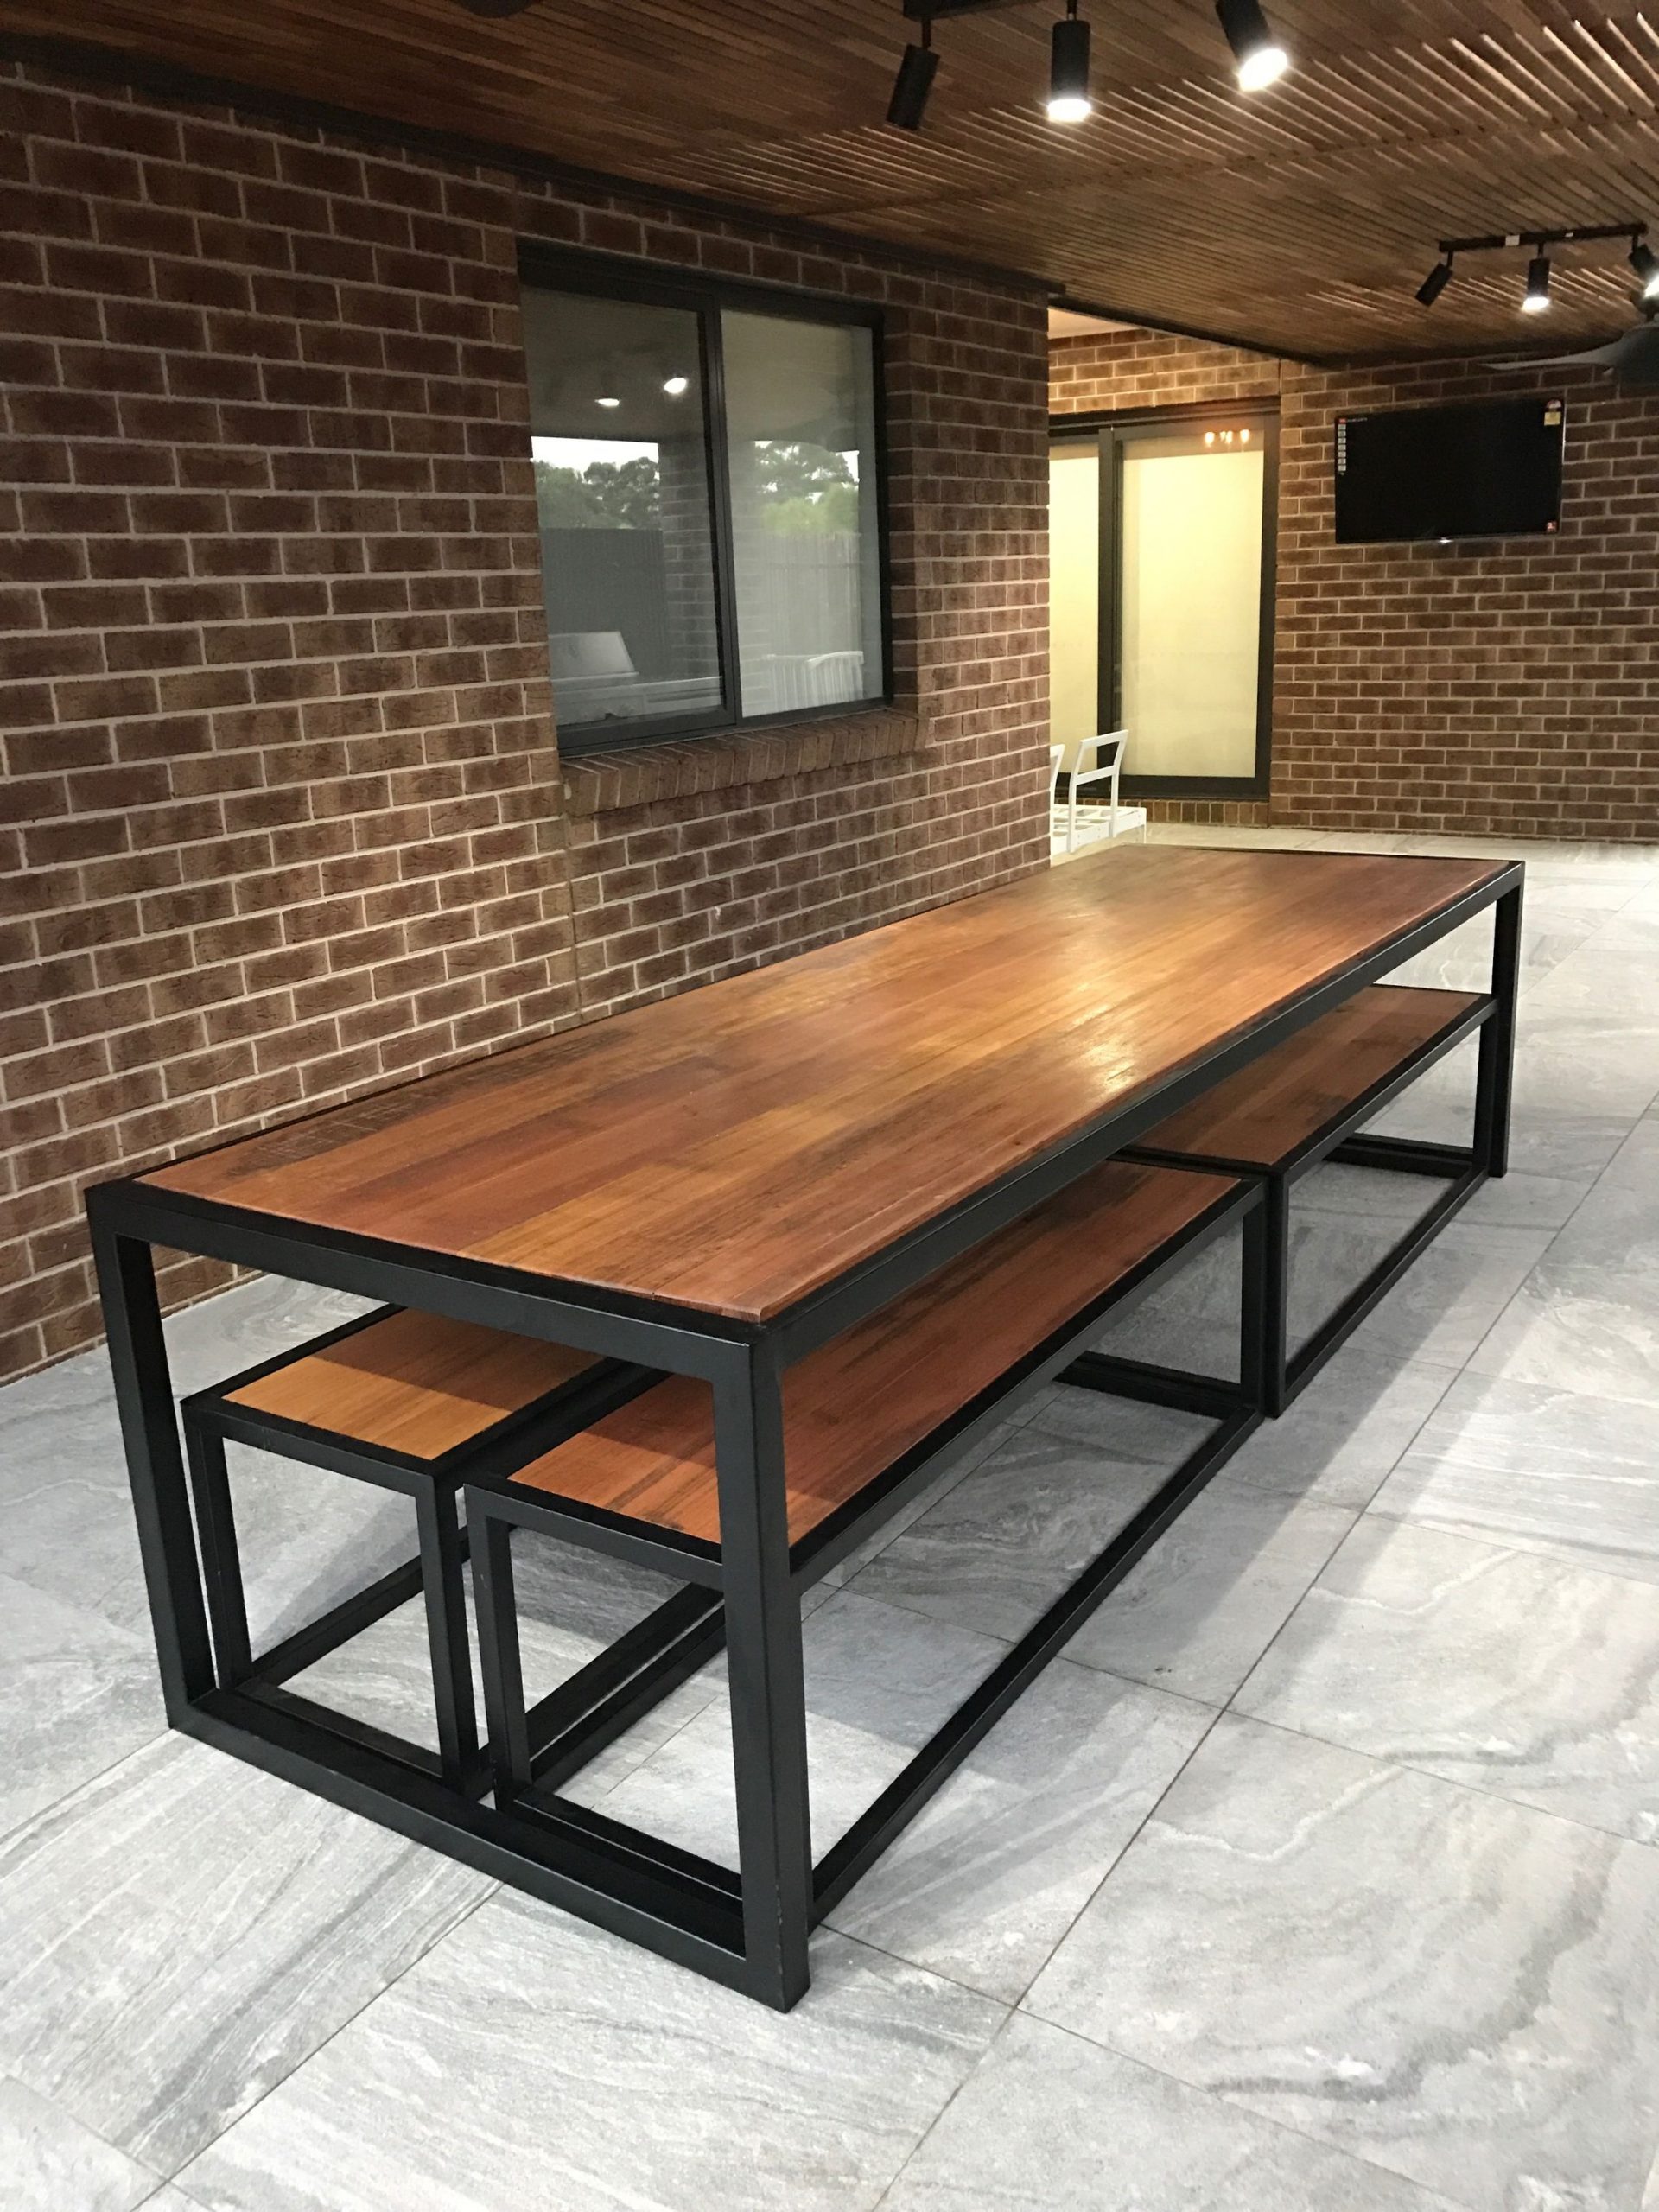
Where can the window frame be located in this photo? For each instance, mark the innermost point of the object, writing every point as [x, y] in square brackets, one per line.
[647, 284]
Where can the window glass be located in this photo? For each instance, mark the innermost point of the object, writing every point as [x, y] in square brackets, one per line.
[619, 435]
[800, 425]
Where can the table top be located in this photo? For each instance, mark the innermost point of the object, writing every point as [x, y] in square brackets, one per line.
[736, 1147]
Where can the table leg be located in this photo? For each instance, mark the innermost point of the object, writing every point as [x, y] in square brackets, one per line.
[1495, 1080]
[161, 1499]
[768, 1702]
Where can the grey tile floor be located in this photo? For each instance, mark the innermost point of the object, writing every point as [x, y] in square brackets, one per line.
[1320, 1872]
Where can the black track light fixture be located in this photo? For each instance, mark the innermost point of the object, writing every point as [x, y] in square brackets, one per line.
[1537, 245]
[914, 82]
[1435, 282]
[1262, 60]
[1068, 69]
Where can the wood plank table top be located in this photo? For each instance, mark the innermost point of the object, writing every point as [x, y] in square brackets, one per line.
[737, 1147]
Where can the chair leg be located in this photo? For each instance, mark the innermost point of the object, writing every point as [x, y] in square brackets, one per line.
[442, 1584]
[221, 1564]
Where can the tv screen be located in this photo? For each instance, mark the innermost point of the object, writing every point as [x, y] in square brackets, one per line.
[1488, 469]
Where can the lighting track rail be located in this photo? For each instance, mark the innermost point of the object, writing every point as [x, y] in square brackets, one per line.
[1536, 298]
[1259, 59]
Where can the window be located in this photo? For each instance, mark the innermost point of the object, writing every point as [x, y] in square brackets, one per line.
[708, 505]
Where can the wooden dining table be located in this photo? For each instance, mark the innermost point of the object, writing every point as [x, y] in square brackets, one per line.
[715, 1185]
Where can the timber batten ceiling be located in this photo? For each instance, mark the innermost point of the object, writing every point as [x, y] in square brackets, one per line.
[1298, 219]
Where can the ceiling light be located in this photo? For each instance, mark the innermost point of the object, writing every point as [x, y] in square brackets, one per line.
[1537, 297]
[607, 402]
[1435, 282]
[1645, 262]
[914, 82]
[1068, 69]
[1260, 57]
[675, 386]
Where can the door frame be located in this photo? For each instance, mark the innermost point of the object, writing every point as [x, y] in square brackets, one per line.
[1112, 431]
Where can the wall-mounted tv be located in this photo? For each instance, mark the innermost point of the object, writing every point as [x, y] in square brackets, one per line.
[1490, 468]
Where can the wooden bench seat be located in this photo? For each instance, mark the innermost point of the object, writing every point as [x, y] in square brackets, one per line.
[413, 1384]
[858, 1403]
[1263, 1115]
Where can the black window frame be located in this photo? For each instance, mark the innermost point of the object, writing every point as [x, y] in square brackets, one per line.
[1112, 430]
[609, 276]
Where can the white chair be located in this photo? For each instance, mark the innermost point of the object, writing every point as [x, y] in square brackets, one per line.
[1084, 761]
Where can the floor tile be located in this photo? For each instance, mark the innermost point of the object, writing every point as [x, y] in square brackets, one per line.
[1455, 1988]
[77, 1694]
[49, 2163]
[63, 1482]
[1006, 1542]
[878, 1681]
[1198, 1612]
[1536, 1681]
[1589, 1312]
[1049, 2123]
[531, 2061]
[1338, 1442]
[184, 1931]
[571, 1605]
[1436, 1314]
[983, 1884]
[1538, 1469]
[1451, 1296]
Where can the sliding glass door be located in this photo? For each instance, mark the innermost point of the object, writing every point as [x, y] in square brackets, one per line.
[1161, 563]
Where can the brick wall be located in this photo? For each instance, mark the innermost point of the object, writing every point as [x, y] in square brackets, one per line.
[1503, 688]
[284, 817]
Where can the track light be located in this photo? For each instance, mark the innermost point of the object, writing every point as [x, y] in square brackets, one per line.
[1262, 60]
[1435, 282]
[607, 402]
[675, 386]
[914, 82]
[1538, 295]
[1645, 262]
[1068, 69]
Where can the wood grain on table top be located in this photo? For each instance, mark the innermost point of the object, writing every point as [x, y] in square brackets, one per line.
[738, 1147]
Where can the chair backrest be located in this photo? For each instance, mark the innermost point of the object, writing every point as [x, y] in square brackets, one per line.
[1072, 758]
[588, 655]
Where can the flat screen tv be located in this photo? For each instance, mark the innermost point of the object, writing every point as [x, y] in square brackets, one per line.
[1490, 468]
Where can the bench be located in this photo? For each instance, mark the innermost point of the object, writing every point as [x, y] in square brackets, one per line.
[1302, 1105]
[870, 1417]
[400, 1400]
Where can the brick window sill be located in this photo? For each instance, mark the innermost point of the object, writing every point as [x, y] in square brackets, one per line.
[635, 775]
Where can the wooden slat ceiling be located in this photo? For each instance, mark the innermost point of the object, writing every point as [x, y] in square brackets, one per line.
[1300, 218]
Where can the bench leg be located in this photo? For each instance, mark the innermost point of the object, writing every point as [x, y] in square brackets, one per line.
[498, 1654]
[1264, 1351]
[768, 1699]
[1495, 1079]
[444, 1590]
[221, 1563]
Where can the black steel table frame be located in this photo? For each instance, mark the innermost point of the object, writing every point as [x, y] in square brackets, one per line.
[753, 1938]
[1343, 1139]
